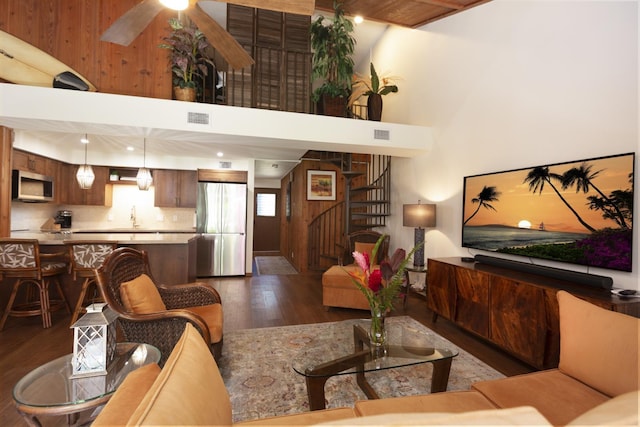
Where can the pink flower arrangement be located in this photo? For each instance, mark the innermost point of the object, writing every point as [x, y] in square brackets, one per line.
[382, 285]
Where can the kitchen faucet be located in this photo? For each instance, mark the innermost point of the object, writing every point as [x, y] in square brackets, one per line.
[133, 216]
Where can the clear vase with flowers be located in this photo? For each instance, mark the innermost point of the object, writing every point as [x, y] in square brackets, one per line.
[381, 286]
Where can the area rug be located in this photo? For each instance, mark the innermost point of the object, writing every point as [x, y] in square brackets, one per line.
[266, 265]
[256, 366]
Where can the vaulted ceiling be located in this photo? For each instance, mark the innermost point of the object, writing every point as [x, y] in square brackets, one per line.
[379, 14]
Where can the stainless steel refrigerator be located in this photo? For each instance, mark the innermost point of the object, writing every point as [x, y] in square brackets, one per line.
[221, 218]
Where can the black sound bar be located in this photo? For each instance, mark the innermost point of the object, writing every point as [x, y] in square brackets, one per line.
[592, 280]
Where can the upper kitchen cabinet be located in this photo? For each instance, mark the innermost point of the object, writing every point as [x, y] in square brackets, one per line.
[30, 162]
[175, 188]
[100, 193]
[34, 163]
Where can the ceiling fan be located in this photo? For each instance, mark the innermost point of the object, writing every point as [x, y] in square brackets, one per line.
[126, 28]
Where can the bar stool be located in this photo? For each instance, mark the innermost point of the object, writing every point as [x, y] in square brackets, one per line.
[21, 259]
[85, 257]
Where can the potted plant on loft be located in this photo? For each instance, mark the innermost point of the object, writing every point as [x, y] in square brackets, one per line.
[189, 57]
[374, 87]
[333, 46]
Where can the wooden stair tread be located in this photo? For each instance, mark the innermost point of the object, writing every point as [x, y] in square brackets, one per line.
[370, 202]
[366, 188]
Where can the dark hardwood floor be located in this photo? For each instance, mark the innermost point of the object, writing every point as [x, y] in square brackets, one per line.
[252, 302]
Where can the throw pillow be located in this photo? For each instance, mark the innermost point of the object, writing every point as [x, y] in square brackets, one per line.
[141, 296]
[366, 248]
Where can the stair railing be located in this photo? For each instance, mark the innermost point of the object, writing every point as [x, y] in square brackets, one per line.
[365, 207]
[326, 238]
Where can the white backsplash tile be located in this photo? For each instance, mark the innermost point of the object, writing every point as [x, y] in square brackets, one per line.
[32, 215]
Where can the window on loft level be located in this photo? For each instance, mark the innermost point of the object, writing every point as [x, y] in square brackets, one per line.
[279, 45]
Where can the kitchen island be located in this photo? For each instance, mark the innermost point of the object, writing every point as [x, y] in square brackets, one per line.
[121, 238]
[172, 256]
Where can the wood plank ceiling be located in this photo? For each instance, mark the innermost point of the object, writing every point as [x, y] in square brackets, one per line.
[407, 13]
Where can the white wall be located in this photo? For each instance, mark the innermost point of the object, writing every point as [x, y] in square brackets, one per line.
[511, 84]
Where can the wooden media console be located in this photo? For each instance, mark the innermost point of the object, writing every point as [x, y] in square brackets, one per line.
[514, 310]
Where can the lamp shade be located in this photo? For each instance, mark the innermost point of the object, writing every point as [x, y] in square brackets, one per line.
[420, 216]
[144, 179]
[85, 176]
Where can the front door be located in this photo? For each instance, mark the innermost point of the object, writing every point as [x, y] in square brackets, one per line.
[266, 220]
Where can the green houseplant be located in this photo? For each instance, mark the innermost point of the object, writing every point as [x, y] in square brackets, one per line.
[374, 87]
[189, 57]
[333, 46]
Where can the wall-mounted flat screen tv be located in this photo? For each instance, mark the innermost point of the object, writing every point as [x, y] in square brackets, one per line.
[579, 212]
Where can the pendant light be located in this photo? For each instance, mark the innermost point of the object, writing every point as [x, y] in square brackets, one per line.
[144, 178]
[85, 175]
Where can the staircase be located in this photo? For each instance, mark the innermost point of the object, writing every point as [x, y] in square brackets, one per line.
[366, 205]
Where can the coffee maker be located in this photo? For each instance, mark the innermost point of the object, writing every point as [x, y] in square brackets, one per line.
[64, 219]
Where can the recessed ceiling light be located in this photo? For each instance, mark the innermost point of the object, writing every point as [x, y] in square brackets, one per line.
[130, 148]
[220, 154]
[358, 19]
[175, 4]
[84, 139]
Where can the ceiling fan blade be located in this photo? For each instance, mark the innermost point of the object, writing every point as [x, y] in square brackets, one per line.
[220, 39]
[126, 28]
[299, 7]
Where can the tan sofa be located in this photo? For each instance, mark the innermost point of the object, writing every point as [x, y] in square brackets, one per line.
[596, 383]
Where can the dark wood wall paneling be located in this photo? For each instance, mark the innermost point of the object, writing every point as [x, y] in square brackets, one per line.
[294, 232]
[70, 31]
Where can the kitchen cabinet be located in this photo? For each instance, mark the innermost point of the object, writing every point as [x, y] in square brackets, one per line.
[29, 162]
[175, 188]
[516, 311]
[25, 161]
[100, 193]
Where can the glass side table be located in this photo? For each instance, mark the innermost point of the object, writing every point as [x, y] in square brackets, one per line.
[48, 390]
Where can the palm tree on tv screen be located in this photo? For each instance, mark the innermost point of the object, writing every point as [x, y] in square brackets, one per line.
[539, 176]
[582, 177]
[488, 194]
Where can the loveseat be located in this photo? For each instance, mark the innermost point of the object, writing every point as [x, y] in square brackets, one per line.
[595, 383]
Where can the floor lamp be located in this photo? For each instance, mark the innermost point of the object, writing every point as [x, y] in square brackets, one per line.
[419, 216]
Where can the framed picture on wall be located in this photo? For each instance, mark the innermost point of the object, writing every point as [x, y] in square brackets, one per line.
[321, 185]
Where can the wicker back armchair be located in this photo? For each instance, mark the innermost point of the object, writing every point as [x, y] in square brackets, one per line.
[366, 236]
[161, 329]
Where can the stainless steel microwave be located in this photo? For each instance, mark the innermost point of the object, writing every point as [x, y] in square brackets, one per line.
[31, 187]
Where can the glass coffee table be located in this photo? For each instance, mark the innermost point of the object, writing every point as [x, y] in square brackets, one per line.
[48, 390]
[406, 346]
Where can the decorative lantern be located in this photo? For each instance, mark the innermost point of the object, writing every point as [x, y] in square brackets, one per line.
[94, 341]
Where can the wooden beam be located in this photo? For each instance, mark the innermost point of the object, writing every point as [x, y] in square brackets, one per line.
[6, 148]
[442, 3]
